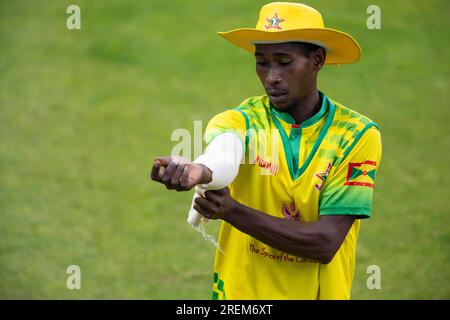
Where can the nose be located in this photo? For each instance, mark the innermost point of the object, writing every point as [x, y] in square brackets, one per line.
[273, 76]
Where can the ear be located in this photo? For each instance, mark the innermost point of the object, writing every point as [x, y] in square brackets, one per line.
[318, 58]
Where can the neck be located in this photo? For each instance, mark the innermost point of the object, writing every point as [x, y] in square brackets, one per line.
[306, 108]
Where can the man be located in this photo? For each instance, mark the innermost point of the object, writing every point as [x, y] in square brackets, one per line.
[291, 214]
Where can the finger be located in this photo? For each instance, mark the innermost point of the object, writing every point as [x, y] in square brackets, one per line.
[204, 212]
[214, 197]
[170, 170]
[221, 191]
[165, 161]
[217, 195]
[184, 181]
[161, 172]
[154, 175]
[175, 181]
[206, 204]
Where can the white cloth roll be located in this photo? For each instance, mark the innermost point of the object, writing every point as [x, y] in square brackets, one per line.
[223, 157]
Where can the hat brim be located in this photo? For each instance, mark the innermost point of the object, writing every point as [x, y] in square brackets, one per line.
[341, 47]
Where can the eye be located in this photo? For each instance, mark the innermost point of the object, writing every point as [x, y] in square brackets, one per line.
[285, 62]
[261, 63]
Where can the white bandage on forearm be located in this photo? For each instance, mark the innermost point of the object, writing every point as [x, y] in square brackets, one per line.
[223, 157]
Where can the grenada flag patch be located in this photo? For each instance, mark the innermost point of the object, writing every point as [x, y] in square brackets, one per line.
[361, 174]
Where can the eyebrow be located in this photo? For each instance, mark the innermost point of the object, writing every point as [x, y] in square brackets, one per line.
[259, 54]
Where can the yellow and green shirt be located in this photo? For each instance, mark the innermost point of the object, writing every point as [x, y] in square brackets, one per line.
[325, 166]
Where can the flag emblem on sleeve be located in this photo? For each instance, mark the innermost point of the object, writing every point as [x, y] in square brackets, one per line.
[361, 174]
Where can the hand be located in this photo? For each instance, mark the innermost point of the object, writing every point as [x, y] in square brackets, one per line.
[216, 204]
[178, 173]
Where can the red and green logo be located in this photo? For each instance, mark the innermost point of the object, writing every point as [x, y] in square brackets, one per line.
[291, 212]
[361, 174]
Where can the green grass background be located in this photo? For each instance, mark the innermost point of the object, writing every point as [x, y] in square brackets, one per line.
[84, 112]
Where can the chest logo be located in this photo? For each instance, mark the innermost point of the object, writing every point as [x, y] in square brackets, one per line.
[290, 212]
[270, 166]
[323, 177]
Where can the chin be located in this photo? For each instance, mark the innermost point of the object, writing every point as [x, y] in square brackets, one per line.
[281, 106]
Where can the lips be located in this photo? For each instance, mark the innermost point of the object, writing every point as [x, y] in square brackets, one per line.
[277, 95]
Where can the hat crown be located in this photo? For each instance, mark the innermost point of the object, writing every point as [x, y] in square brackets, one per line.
[281, 16]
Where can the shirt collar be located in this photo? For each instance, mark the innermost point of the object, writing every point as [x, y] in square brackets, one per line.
[286, 117]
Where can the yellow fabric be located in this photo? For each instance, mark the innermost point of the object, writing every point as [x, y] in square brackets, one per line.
[250, 269]
[295, 22]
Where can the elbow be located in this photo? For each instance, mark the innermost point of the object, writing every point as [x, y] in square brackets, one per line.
[327, 258]
[328, 248]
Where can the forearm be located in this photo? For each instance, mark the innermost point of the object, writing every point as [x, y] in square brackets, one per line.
[304, 239]
[222, 157]
[213, 170]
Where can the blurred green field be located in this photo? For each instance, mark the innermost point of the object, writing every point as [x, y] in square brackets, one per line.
[84, 112]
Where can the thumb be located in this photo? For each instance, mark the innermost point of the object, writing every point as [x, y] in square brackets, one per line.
[164, 161]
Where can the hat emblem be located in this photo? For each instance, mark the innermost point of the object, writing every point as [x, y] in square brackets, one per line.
[281, 22]
[274, 22]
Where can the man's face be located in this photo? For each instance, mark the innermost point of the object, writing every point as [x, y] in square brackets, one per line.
[287, 73]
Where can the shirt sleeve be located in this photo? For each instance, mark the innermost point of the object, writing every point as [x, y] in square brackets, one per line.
[349, 190]
[228, 121]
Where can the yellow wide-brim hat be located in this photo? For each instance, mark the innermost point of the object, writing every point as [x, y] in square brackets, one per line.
[295, 22]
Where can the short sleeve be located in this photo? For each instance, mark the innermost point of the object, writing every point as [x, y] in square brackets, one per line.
[228, 121]
[349, 190]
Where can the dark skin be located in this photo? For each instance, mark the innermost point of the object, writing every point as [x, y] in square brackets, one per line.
[318, 240]
[179, 176]
[288, 72]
